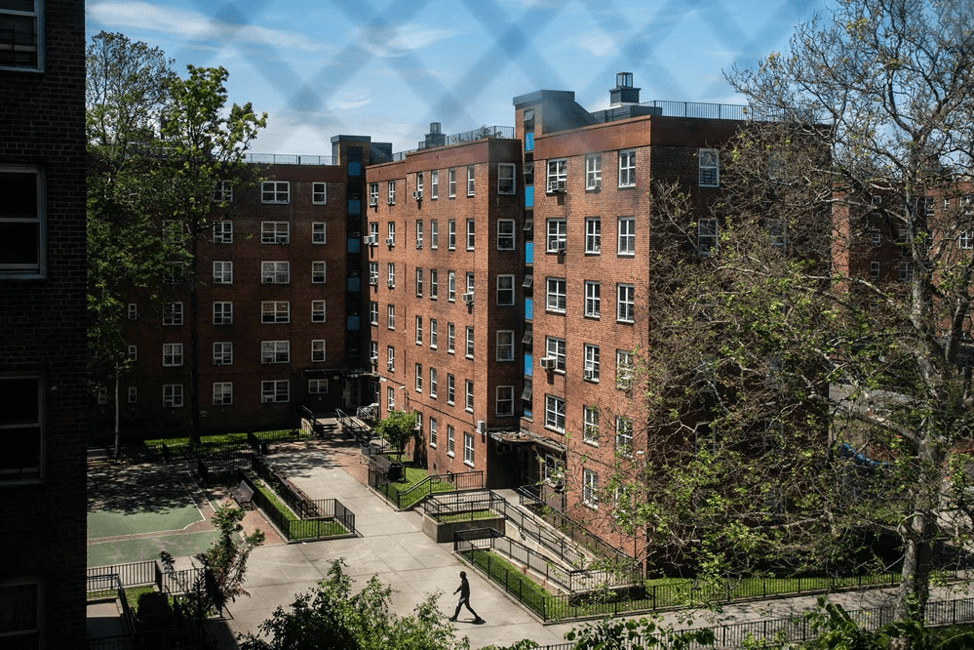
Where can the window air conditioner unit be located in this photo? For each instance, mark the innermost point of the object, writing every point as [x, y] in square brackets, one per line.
[560, 247]
[557, 186]
[390, 283]
[548, 363]
[374, 361]
[370, 240]
[417, 195]
[390, 365]
[390, 241]
[589, 374]
[467, 298]
[374, 282]
[480, 426]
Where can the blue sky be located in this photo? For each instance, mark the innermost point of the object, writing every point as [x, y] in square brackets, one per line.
[389, 68]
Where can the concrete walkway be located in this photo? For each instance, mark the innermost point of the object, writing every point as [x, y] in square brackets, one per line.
[393, 547]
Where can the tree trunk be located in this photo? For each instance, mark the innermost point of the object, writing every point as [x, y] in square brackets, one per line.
[194, 345]
[911, 601]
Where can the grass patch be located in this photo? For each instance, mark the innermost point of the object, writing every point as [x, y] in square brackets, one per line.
[131, 595]
[218, 440]
[465, 516]
[512, 579]
[413, 476]
[290, 524]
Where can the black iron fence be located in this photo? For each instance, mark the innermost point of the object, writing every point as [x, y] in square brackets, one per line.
[404, 496]
[132, 574]
[459, 505]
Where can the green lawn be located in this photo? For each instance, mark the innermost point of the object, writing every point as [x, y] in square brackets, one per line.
[466, 516]
[216, 441]
[293, 526]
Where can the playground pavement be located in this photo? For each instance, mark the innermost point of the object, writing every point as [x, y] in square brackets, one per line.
[392, 546]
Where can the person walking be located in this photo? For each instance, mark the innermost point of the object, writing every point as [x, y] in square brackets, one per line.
[464, 591]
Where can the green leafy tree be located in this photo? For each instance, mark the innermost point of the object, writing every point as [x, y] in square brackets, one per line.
[397, 428]
[331, 616]
[806, 414]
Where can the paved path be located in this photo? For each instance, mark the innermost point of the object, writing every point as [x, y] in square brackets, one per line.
[393, 547]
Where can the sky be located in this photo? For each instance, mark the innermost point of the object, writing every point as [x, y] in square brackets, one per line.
[388, 68]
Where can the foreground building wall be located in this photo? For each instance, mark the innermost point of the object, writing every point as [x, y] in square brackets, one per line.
[42, 336]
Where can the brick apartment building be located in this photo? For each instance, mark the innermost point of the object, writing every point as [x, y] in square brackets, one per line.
[43, 392]
[278, 306]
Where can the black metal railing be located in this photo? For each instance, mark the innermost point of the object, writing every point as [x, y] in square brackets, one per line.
[404, 496]
[132, 574]
[287, 159]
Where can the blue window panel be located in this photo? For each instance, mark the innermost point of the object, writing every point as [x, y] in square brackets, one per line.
[354, 206]
[353, 323]
[354, 244]
[528, 366]
[528, 309]
[529, 196]
[529, 252]
[354, 284]
[529, 141]
[354, 169]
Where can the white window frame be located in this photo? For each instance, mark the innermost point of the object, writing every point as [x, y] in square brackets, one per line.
[391, 192]
[504, 401]
[624, 369]
[275, 391]
[555, 349]
[133, 393]
[590, 488]
[593, 171]
[434, 378]
[468, 342]
[391, 233]
[373, 194]
[708, 233]
[626, 236]
[434, 284]
[506, 234]
[468, 395]
[319, 272]
[452, 182]
[557, 176]
[434, 234]
[506, 178]
[471, 234]
[965, 240]
[223, 232]
[223, 353]
[555, 295]
[275, 192]
[35, 51]
[554, 413]
[319, 350]
[708, 162]
[505, 290]
[625, 303]
[34, 219]
[133, 353]
[434, 333]
[391, 317]
[591, 363]
[172, 314]
[391, 275]
[418, 377]
[556, 235]
[419, 233]
[624, 436]
[451, 388]
[133, 311]
[319, 193]
[319, 232]
[317, 386]
[432, 432]
[172, 355]
[593, 299]
[419, 282]
[504, 344]
[275, 272]
[593, 235]
[471, 178]
[434, 184]
[450, 440]
[904, 271]
[451, 286]
[627, 168]
[468, 449]
[451, 337]
[275, 312]
[390, 358]
[451, 235]
[223, 313]
[373, 312]
[172, 396]
[418, 327]
[319, 311]
[875, 271]
[275, 352]
[590, 425]
[222, 393]
[275, 232]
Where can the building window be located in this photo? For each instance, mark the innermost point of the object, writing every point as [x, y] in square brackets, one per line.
[590, 371]
[373, 312]
[133, 395]
[874, 270]
[373, 194]
[275, 351]
[275, 311]
[627, 168]
[432, 432]
[223, 232]
[434, 184]
[21, 35]
[374, 353]
[555, 350]
[390, 358]
[451, 182]
[317, 350]
[555, 295]
[319, 232]
[506, 183]
[390, 399]
[966, 239]
[22, 212]
[133, 353]
[418, 377]
[590, 425]
[223, 313]
[904, 271]
[470, 283]
[468, 395]
[449, 436]
[505, 234]
[505, 345]
[623, 369]
[391, 275]
[627, 236]
[275, 232]
[505, 290]
[505, 401]
[451, 286]
[172, 396]
[391, 317]
[451, 235]
[275, 391]
[317, 272]
[593, 172]
[434, 333]
[470, 180]
[419, 330]
[471, 234]
[319, 193]
[709, 166]
[625, 303]
[133, 311]
[434, 234]
[374, 274]
[450, 337]
[317, 311]
[391, 192]
[778, 233]
[21, 424]
[223, 353]
[593, 299]
[275, 272]
[554, 412]
[419, 233]
[317, 386]
[172, 314]
[275, 192]
[434, 284]
[469, 342]
[450, 388]
[557, 175]
[222, 393]
[623, 436]
[707, 237]
[468, 449]
[590, 488]
[433, 381]
[391, 233]
[557, 236]
[172, 354]
[593, 235]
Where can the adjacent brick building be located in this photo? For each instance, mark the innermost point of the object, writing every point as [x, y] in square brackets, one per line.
[43, 391]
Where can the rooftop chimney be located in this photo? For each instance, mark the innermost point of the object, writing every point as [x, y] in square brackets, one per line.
[623, 93]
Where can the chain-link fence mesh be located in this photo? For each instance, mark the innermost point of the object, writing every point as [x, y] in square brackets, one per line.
[515, 48]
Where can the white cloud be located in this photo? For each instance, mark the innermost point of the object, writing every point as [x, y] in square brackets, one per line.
[389, 42]
[191, 25]
[599, 44]
[349, 100]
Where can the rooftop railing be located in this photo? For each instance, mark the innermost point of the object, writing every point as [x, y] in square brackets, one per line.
[287, 159]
